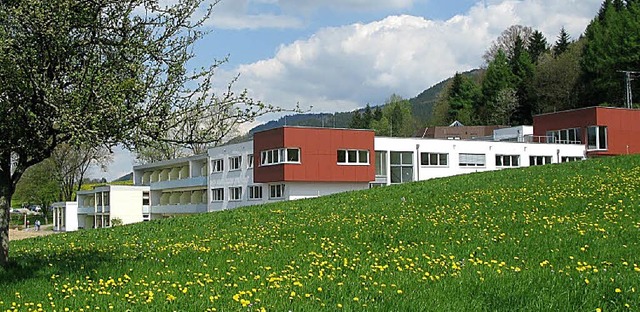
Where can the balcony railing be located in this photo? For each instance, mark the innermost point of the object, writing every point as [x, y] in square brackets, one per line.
[548, 140]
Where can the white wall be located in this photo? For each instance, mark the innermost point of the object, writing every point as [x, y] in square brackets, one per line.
[125, 203]
[298, 190]
[456, 147]
[232, 178]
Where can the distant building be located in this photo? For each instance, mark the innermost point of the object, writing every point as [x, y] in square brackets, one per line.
[604, 131]
[458, 131]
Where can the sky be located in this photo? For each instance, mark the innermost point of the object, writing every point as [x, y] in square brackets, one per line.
[339, 55]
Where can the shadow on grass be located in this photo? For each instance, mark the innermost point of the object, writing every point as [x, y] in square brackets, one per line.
[25, 267]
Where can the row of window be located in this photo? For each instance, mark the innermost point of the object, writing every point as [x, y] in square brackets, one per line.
[401, 163]
[280, 156]
[254, 192]
[235, 163]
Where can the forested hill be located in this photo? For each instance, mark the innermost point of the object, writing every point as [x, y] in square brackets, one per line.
[421, 108]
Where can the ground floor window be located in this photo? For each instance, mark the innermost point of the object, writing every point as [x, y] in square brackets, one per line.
[217, 194]
[235, 193]
[381, 163]
[507, 160]
[472, 160]
[434, 159]
[276, 191]
[539, 160]
[255, 192]
[570, 158]
[401, 167]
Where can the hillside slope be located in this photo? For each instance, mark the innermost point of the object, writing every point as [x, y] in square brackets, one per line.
[555, 237]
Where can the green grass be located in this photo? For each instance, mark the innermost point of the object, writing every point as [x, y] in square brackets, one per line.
[551, 238]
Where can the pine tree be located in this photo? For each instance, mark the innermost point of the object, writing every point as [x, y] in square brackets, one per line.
[356, 121]
[562, 44]
[497, 78]
[461, 96]
[537, 46]
[367, 117]
[522, 69]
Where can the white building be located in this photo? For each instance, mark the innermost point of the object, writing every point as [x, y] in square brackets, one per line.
[98, 208]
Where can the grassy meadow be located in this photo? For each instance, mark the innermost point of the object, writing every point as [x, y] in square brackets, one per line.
[559, 237]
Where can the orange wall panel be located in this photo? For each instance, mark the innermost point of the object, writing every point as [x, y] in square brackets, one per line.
[318, 154]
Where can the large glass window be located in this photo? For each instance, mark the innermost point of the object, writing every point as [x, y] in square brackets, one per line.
[597, 138]
[381, 163]
[507, 160]
[565, 136]
[353, 157]
[472, 160]
[280, 156]
[434, 159]
[401, 167]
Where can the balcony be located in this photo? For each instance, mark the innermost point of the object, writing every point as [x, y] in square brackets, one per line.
[182, 183]
[179, 208]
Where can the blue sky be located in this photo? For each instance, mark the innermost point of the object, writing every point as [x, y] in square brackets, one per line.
[339, 55]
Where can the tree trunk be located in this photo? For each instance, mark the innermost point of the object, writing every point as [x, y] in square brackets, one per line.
[5, 217]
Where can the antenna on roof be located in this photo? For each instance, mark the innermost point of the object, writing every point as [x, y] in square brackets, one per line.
[628, 77]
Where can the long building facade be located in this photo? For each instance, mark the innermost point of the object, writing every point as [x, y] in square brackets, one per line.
[290, 163]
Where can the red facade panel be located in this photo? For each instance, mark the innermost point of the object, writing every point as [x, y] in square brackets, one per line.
[318, 155]
[623, 127]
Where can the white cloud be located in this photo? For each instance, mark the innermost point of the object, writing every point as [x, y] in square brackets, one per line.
[342, 68]
[308, 5]
[236, 14]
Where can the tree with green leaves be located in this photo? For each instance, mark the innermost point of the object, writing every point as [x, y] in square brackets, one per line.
[397, 120]
[104, 72]
[556, 80]
[39, 186]
[356, 121]
[562, 44]
[612, 45]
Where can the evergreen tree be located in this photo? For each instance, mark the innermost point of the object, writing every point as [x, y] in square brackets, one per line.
[461, 96]
[367, 117]
[497, 78]
[613, 45]
[522, 69]
[356, 121]
[562, 44]
[537, 46]
[377, 113]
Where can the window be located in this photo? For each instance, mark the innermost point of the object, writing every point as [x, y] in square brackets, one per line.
[280, 156]
[570, 158]
[539, 160]
[381, 164]
[565, 136]
[401, 167]
[217, 194]
[255, 192]
[434, 159]
[250, 161]
[217, 165]
[353, 157]
[472, 160]
[597, 138]
[235, 193]
[105, 195]
[235, 163]
[276, 191]
[145, 198]
[507, 160]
